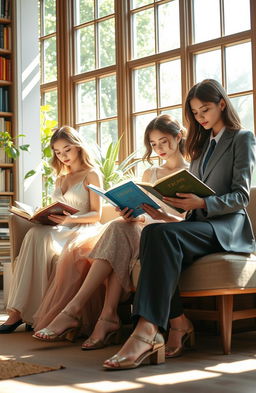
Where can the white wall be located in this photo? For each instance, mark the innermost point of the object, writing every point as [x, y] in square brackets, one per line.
[27, 111]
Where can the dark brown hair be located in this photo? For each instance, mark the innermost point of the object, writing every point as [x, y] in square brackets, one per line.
[73, 138]
[167, 125]
[209, 90]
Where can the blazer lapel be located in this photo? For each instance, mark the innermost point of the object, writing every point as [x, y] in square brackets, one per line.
[220, 149]
[195, 166]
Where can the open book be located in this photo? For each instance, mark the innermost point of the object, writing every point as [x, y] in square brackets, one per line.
[126, 195]
[181, 181]
[41, 215]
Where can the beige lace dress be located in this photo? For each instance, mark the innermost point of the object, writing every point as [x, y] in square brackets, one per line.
[118, 243]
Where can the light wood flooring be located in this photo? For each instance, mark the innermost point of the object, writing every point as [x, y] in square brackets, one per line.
[203, 370]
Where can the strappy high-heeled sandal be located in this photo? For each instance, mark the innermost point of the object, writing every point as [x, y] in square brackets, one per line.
[155, 355]
[111, 338]
[187, 341]
[49, 335]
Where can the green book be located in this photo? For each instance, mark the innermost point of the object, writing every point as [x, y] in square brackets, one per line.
[181, 181]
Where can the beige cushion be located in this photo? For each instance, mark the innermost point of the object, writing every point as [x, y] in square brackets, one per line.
[220, 270]
[215, 271]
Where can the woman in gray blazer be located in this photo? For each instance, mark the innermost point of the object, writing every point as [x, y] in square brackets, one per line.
[223, 156]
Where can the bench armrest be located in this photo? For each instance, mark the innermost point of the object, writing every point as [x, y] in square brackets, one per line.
[18, 228]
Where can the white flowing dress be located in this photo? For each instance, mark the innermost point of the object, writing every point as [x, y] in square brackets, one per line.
[35, 264]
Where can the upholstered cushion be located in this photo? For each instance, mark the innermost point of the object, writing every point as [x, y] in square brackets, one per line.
[215, 271]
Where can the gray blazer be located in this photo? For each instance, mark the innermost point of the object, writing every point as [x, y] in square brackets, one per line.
[228, 173]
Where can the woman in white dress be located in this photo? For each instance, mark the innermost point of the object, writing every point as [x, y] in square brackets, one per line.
[34, 266]
[115, 252]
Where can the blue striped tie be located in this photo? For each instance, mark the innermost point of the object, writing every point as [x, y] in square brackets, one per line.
[209, 153]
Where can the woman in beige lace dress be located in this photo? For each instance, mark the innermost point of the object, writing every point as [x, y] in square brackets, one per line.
[116, 250]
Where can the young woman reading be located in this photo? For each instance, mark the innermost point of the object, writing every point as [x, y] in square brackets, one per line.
[34, 265]
[114, 254]
[223, 156]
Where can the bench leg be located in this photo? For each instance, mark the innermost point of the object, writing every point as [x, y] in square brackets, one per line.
[225, 308]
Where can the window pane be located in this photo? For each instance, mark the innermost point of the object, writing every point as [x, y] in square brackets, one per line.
[204, 28]
[86, 102]
[109, 133]
[84, 11]
[88, 134]
[108, 102]
[50, 65]
[105, 7]
[140, 3]
[237, 16]
[141, 123]
[49, 16]
[176, 113]
[169, 26]
[85, 49]
[239, 68]
[144, 33]
[208, 65]
[107, 48]
[51, 98]
[170, 83]
[145, 88]
[244, 107]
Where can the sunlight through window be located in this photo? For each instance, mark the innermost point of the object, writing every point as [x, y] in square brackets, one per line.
[180, 377]
[235, 367]
[109, 386]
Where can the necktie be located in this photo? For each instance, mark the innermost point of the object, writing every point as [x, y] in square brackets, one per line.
[209, 153]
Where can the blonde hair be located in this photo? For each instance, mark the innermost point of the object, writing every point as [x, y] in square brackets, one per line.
[70, 135]
[167, 125]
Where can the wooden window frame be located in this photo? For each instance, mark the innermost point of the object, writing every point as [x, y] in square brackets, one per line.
[67, 80]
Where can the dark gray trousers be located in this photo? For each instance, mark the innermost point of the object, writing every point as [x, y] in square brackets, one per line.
[165, 250]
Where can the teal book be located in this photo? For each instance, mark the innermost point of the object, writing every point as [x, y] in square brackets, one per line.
[126, 195]
[181, 181]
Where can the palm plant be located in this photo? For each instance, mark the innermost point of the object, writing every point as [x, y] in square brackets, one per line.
[112, 172]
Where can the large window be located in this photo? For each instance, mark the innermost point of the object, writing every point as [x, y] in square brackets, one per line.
[48, 50]
[110, 66]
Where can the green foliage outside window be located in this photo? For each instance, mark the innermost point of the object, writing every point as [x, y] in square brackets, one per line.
[48, 179]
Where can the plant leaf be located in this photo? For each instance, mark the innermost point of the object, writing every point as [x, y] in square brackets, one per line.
[29, 174]
[24, 147]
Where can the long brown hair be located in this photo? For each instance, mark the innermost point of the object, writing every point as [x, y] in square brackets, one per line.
[73, 138]
[209, 90]
[167, 125]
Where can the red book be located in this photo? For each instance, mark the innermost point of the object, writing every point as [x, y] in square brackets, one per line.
[40, 216]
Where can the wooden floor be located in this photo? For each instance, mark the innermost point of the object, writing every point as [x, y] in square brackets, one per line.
[203, 370]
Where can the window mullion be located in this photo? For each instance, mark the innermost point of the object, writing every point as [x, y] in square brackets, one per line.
[64, 62]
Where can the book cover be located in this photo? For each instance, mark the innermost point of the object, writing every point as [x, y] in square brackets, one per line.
[126, 195]
[41, 215]
[181, 181]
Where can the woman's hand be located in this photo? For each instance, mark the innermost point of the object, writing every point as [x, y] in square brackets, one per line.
[61, 219]
[158, 214]
[126, 214]
[186, 201]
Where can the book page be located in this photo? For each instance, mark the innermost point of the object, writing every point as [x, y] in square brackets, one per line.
[26, 208]
[101, 192]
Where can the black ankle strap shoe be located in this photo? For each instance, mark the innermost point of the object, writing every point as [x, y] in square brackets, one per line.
[5, 329]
